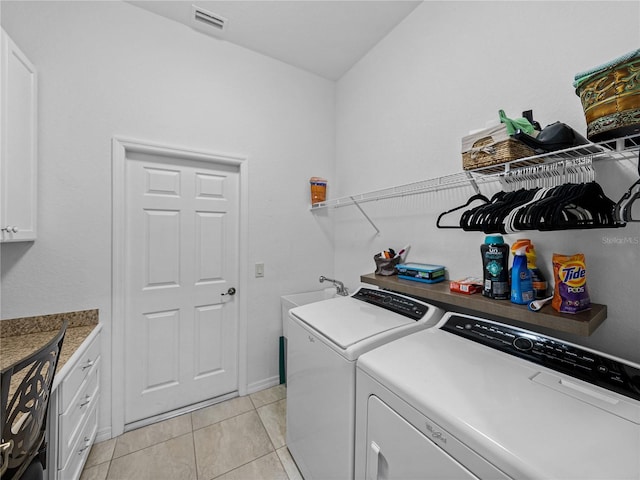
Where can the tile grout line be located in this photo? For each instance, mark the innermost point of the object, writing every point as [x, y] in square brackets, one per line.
[251, 461]
[275, 450]
[108, 470]
[192, 432]
[282, 464]
[193, 445]
[225, 419]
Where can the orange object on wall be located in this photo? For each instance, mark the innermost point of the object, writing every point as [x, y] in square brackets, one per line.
[318, 189]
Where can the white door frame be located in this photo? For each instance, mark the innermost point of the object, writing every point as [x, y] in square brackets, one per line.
[120, 147]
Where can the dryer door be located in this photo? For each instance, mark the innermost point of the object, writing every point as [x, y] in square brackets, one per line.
[397, 450]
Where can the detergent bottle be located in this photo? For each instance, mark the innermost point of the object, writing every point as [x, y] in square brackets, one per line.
[521, 286]
[538, 279]
[495, 263]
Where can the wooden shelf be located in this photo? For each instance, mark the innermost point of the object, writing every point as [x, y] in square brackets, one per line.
[583, 324]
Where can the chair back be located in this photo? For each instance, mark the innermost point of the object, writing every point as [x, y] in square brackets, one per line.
[25, 388]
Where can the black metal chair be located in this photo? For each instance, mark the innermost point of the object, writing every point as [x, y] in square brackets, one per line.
[23, 417]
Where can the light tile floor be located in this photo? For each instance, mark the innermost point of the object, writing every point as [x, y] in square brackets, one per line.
[240, 439]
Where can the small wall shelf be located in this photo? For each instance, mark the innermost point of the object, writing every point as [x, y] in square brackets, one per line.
[583, 324]
[618, 149]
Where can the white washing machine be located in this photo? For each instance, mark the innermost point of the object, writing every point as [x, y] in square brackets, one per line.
[472, 398]
[324, 341]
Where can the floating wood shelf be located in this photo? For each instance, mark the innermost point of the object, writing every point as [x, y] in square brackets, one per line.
[583, 324]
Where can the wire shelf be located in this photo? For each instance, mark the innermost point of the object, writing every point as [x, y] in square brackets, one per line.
[617, 149]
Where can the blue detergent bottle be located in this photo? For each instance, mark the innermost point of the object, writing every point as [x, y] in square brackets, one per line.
[521, 284]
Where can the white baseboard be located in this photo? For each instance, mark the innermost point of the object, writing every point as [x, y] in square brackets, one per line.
[103, 435]
[262, 384]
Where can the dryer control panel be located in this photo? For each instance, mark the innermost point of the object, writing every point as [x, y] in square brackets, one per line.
[400, 304]
[550, 352]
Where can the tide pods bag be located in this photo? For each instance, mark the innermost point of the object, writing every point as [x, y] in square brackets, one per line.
[571, 294]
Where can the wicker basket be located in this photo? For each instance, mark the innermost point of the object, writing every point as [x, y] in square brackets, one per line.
[494, 146]
[610, 97]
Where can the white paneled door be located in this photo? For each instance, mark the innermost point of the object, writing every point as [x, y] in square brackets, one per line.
[181, 314]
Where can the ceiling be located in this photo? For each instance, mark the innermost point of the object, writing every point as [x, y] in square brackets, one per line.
[326, 37]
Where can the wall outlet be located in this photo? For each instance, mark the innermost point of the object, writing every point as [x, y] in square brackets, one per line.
[259, 270]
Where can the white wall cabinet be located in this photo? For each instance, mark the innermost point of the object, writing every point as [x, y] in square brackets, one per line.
[73, 413]
[18, 144]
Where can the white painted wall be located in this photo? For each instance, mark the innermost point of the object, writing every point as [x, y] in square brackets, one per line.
[447, 69]
[110, 68]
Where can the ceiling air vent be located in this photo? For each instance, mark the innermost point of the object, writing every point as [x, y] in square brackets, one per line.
[207, 22]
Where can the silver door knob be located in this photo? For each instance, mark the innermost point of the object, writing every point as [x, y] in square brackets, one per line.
[10, 229]
[231, 291]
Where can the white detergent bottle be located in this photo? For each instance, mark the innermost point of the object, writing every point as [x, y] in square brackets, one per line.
[521, 285]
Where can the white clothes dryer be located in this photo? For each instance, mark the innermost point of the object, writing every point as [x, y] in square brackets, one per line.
[324, 341]
[472, 398]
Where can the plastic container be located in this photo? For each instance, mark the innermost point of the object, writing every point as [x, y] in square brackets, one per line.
[495, 267]
[318, 189]
[521, 286]
[538, 280]
[421, 272]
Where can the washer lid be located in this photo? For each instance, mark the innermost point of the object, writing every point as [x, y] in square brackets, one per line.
[346, 321]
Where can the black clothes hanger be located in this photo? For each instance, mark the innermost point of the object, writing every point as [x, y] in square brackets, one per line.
[490, 218]
[514, 221]
[498, 222]
[634, 194]
[622, 209]
[477, 196]
[584, 206]
[568, 206]
[538, 215]
[467, 219]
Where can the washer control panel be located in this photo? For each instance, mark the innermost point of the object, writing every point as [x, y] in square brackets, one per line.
[400, 304]
[551, 353]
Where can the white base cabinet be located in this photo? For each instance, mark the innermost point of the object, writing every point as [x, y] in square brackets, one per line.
[18, 144]
[73, 413]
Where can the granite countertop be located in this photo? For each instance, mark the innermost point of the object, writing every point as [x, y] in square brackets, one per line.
[20, 337]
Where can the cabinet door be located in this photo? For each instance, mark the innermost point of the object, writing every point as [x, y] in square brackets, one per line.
[72, 421]
[18, 155]
[397, 450]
